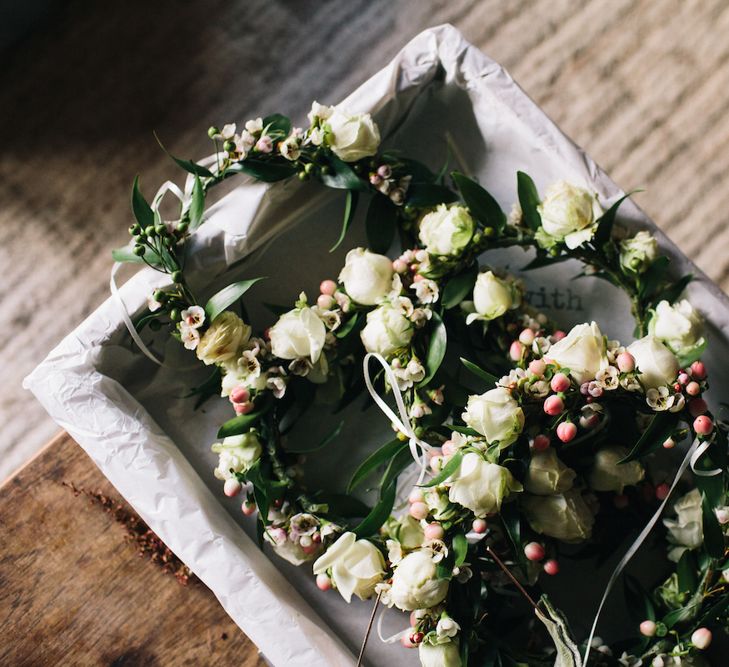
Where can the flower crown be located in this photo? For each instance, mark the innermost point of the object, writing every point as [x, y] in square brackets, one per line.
[534, 446]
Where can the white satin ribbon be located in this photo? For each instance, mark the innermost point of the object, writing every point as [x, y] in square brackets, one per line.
[402, 422]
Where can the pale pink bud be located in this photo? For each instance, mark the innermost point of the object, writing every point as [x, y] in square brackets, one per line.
[479, 526]
[534, 551]
[566, 431]
[248, 508]
[323, 582]
[264, 144]
[662, 491]
[448, 448]
[626, 362]
[693, 388]
[231, 487]
[683, 378]
[703, 425]
[418, 510]
[526, 337]
[560, 382]
[558, 335]
[698, 370]
[416, 496]
[328, 287]
[537, 367]
[375, 179]
[434, 531]
[669, 443]
[701, 638]
[648, 628]
[240, 395]
[399, 266]
[553, 405]
[516, 350]
[243, 408]
[325, 301]
[551, 567]
[384, 171]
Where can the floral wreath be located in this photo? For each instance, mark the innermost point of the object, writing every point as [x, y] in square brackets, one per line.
[533, 446]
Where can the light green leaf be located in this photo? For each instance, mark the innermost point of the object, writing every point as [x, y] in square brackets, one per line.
[227, 296]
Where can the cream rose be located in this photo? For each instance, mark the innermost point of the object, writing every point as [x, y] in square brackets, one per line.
[447, 230]
[565, 517]
[495, 415]
[679, 326]
[657, 364]
[440, 655]
[352, 136]
[608, 474]
[569, 213]
[686, 531]
[223, 339]
[367, 277]
[492, 297]
[236, 454]
[387, 330]
[547, 475]
[481, 486]
[356, 566]
[298, 334]
[582, 350]
[639, 252]
[415, 582]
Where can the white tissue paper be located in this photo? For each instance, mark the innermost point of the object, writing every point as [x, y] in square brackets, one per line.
[132, 416]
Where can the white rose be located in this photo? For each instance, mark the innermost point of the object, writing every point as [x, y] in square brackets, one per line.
[367, 277]
[492, 297]
[357, 566]
[547, 475]
[656, 363]
[481, 486]
[415, 582]
[387, 330]
[236, 453]
[686, 531]
[447, 230]
[297, 334]
[495, 415]
[440, 655]
[639, 252]
[608, 474]
[565, 517]
[223, 339]
[679, 326]
[582, 350]
[569, 213]
[353, 136]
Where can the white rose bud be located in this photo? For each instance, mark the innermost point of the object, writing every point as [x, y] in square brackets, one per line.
[565, 517]
[608, 474]
[440, 655]
[298, 334]
[353, 136]
[547, 475]
[447, 230]
[657, 364]
[495, 415]
[679, 326]
[686, 531]
[492, 297]
[569, 213]
[639, 252]
[582, 350]
[387, 330]
[223, 339]
[357, 566]
[367, 277]
[415, 582]
[481, 486]
[236, 453]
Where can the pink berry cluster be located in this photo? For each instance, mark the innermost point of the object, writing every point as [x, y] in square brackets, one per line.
[692, 382]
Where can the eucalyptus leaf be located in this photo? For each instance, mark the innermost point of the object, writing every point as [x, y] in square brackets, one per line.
[460, 548]
[226, 297]
[188, 165]
[342, 505]
[277, 123]
[488, 378]
[354, 322]
[436, 348]
[397, 464]
[480, 202]
[528, 200]
[350, 206]
[374, 461]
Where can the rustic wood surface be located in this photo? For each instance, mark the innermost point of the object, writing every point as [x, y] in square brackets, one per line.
[73, 590]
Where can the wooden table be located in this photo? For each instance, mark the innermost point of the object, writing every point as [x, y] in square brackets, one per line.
[74, 591]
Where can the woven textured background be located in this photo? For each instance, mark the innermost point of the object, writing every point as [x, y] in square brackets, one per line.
[642, 86]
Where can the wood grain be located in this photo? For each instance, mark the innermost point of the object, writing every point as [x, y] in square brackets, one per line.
[73, 590]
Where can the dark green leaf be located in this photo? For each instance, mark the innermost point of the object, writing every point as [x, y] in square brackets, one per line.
[528, 200]
[381, 223]
[329, 438]
[240, 424]
[226, 297]
[673, 292]
[426, 195]
[375, 460]
[350, 206]
[638, 601]
[653, 277]
[207, 389]
[480, 202]
[448, 469]
[460, 548]
[342, 176]
[350, 325]
[397, 464]
[267, 171]
[379, 514]
[487, 377]
[713, 535]
[197, 204]
[277, 123]
[342, 505]
[465, 430]
[686, 570]
[141, 209]
[436, 348]
[459, 287]
[512, 524]
[606, 222]
[188, 165]
[660, 428]
[420, 172]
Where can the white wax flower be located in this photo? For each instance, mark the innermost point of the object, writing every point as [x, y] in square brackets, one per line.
[565, 517]
[353, 136]
[481, 486]
[415, 583]
[320, 111]
[236, 453]
[446, 230]
[440, 655]
[638, 252]
[679, 326]
[547, 475]
[367, 276]
[446, 628]
[495, 415]
[569, 213]
[657, 364]
[223, 340]
[492, 297]
[298, 334]
[387, 329]
[686, 531]
[357, 566]
[608, 474]
[582, 350]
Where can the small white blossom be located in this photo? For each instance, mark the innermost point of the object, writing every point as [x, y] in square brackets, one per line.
[446, 627]
[193, 317]
[190, 336]
[608, 378]
[254, 126]
[660, 399]
[426, 290]
[228, 131]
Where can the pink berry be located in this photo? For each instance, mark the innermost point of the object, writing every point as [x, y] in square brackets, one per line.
[626, 362]
[399, 266]
[683, 378]
[648, 628]
[566, 431]
[551, 567]
[698, 370]
[703, 425]
[316, 538]
[384, 171]
[534, 551]
[526, 337]
[558, 335]
[448, 448]
[516, 350]
[693, 388]
[553, 405]
[248, 508]
[418, 510]
[560, 382]
[621, 501]
[325, 301]
[662, 491]
[541, 442]
[323, 582]
[537, 367]
[669, 443]
[479, 526]
[405, 640]
[434, 531]
[232, 487]
[417, 637]
[328, 287]
[239, 395]
[697, 406]
[416, 496]
[701, 638]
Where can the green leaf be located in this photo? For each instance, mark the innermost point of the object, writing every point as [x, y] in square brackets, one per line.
[528, 200]
[277, 123]
[686, 570]
[639, 603]
[660, 428]
[480, 202]
[329, 438]
[459, 287]
[125, 254]
[398, 463]
[436, 348]
[342, 505]
[141, 209]
[448, 469]
[341, 176]
[460, 548]
[197, 204]
[350, 325]
[375, 460]
[673, 292]
[487, 377]
[512, 525]
[267, 171]
[379, 514]
[187, 165]
[653, 277]
[226, 297]
[465, 430]
[713, 535]
[350, 206]
[260, 491]
[685, 360]
[606, 221]
[240, 424]
[427, 195]
[381, 223]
